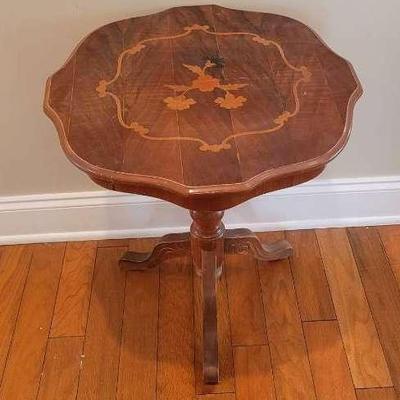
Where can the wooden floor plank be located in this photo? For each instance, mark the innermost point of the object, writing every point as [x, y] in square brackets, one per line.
[98, 379]
[363, 349]
[315, 302]
[14, 267]
[365, 294]
[138, 364]
[382, 292]
[113, 243]
[61, 369]
[253, 373]
[221, 396]
[27, 352]
[390, 236]
[376, 394]
[245, 304]
[328, 361]
[175, 375]
[289, 358]
[70, 314]
[226, 374]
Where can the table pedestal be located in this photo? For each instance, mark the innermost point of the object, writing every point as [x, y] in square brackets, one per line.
[208, 241]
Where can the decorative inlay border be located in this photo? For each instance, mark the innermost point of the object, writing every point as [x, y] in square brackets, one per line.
[180, 102]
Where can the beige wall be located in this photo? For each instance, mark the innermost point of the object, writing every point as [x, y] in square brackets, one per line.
[37, 36]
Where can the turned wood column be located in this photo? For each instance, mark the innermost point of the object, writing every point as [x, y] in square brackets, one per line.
[207, 244]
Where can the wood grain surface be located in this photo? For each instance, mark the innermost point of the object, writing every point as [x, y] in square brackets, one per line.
[27, 352]
[14, 268]
[364, 351]
[100, 360]
[245, 301]
[253, 371]
[175, 376]
[315, 302]
[225, 356]
[376, 394]
[204, 106]
[221, 396]
[138, 357]
[382, 292]
[141, 341]
[390, 237]
[70, 314]
[61, 368]
[289, 358]
[328, 361]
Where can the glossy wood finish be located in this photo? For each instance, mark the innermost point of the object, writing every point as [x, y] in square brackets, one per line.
[175, 357]
[208, 242]
[290, 363]
[231, 241]
[206, 107]
[254, 378]
[139, 341]
[207, 245]
[332, 378]
[356, 323]
[226, 383]
[26, 352]
[244, 241]
[138, 357]
[14, 267]
[70, 312]
[315, 302]
[203, 106]
[390, 236]
[376, 394]
[245, 301]
[382, 293]
[61, 368]
[170, 246]
[99, 379]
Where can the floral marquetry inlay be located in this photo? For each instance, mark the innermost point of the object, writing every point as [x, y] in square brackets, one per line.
[204, 83]
[229, 96]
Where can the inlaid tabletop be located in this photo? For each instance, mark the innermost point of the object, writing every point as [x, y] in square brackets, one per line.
[202, 102]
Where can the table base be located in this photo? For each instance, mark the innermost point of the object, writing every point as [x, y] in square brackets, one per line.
[208, 242]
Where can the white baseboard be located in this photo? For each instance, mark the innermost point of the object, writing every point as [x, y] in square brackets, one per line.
[106, 214]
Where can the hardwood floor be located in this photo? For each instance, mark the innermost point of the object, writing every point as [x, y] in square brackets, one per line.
[323, 325]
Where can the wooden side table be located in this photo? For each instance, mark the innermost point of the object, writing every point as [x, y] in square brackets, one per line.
[205, 107]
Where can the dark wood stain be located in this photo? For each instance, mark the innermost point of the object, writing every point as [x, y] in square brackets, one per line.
[225, 140]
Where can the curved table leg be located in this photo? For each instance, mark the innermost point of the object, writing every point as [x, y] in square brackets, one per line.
[207, 242]
[169, 246]
[244, 241]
